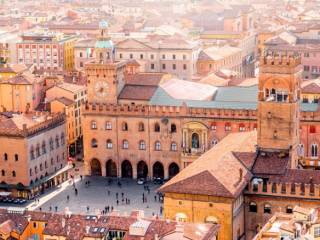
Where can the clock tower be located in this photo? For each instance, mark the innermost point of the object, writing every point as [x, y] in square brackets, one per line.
[278, 106]
[105, 76]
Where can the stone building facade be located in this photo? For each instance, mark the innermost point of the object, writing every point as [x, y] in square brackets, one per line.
[39, 159]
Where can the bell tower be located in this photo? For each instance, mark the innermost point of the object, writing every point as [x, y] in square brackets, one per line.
[278, 104]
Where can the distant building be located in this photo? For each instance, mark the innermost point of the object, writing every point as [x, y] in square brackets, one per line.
[68, 98]
[22, 92]
[171, 55]
[46, 51]
[38, 160]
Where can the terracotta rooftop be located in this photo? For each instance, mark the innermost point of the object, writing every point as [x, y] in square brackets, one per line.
[65, 101]
[270, 164]
[77, 227]
[149, 79]
[213, 169]
[137, 92]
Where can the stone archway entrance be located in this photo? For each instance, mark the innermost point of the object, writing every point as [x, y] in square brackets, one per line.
[111, 169]
[173, 170]
[96, 167]
[158, 170]
[142, 170]
[126, 169]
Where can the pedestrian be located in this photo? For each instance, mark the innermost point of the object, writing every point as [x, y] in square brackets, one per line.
[122, 194]
[88, 208]
[80, 177]
[68, 198]
[117, 202]
[40, 209]
[111, 208]
[50, 208]
[129, 201]
[122, 200]
[76, 191]
[106, 209]
[56, 208]
[161, 209]
[155, 198]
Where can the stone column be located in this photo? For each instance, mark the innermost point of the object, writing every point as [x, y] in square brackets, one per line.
[134, 171]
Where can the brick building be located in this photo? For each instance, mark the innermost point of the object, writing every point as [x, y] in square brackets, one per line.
[266, 164]
[39, 159]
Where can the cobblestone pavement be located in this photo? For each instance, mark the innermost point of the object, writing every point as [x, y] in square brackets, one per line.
[96, 197]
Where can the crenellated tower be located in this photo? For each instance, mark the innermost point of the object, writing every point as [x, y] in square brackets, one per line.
[278, 104]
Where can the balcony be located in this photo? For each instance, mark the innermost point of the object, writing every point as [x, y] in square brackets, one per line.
[310, 162]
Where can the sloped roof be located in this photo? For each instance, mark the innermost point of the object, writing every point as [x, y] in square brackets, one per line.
[213, 169]
[137, 92]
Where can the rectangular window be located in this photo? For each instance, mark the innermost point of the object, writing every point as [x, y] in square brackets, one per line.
[163, 66]
[184, 66]
[131, 55]
[174, 66]
[152, 56]
[141, 56]
[163, 56]
[120, 55]
[174, 56]
[317, 232]
[152, 66]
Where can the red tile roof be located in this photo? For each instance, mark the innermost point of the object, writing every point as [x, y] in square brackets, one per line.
[270, 164]
[136, 92]
[149, 79]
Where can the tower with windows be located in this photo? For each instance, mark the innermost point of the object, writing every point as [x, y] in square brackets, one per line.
[278, 107]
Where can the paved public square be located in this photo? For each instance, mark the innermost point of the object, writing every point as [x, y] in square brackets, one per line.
[95, 196]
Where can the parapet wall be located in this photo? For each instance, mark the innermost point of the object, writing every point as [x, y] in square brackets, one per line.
[294, 190]
[170, 111]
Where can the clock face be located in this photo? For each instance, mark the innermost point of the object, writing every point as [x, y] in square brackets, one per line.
[101, 89]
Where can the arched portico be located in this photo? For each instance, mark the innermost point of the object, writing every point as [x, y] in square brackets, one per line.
[95, 167]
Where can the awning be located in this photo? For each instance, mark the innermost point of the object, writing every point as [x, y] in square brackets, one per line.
[5, 194]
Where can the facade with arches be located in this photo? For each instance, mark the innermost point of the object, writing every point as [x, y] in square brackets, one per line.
[38, 159]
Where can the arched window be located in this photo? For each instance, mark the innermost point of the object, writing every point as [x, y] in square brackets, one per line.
[57, 141]
[94, 143]
[62, 139]
[157, 127]
[16, 157]
[43, 147]
[3, 173]
[253, 207]
[51, 144]
[108, 126]
[45, 164]
[125, 144]
[93, 124]
[173, 128]
[314, 150]
[195, 140]
[267, 208]
[5, 156]
[174, 146]
[214, 142]
[13, 173]
[289, 209]
[267, 93]
[36, 169]
[41, 168]
[109, 144]
[124, 126]
[142, 145]
[300, 150]
[274, 188]
[38, 150]
[157, 146]
[141, 127]
[31, 153]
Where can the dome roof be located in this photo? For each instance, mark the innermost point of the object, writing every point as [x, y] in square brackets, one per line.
[104, 44]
